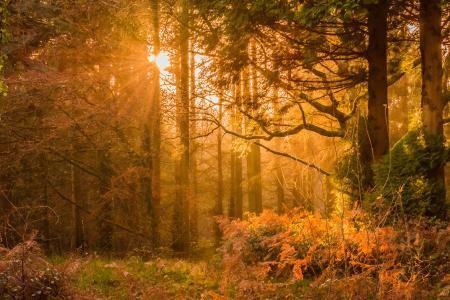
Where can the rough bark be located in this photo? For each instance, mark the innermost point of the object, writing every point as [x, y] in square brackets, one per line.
[377, 114]
[432, 101]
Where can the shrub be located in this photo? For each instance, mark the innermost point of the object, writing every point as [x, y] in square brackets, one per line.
[25, 274]
[402, 183]
[303, 255]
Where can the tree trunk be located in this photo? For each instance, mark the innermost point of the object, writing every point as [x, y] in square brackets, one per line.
[181, 238]
[235, 207]
[156, 133]
[194, 149]
[433, 103]
[377, 115]
[237, 157]
[47, 206]
[255, 151]
[76, 195]
[106, 213]
[280, 182]
[220, 187]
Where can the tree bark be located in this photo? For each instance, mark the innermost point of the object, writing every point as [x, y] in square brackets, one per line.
[194, 148]
[105, 229]
[156, 133]
[377, 115]
[181, 237]
[77, 197]
[220, 187]
[238, 159]
[280, 182]
[432, 101]
[235, 205]
[255, 152]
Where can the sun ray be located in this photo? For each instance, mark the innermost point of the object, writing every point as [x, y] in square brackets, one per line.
[162, 60]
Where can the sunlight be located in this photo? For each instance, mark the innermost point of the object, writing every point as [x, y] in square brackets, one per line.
[162, 60]
[214, 99]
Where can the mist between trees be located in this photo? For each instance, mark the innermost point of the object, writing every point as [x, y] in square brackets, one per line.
[141, 126]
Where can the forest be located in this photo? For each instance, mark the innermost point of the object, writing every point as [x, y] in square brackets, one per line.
[224, 149]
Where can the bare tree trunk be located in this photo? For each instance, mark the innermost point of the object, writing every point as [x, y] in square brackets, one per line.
[235, 207]
[433, 102]
[194, 149]
[105, 229]
[377, 114]
[156, 133]
[47, 206]
[76, 195]
[238, 159]
[250, 158]
[255, 151]
[220, 187]
[280, 182]
[232, 203]
[181, 238]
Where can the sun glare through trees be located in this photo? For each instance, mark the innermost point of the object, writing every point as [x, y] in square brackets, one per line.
[224, 149]
[162, 60]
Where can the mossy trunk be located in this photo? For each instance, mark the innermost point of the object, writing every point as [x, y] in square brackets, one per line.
[432, 100]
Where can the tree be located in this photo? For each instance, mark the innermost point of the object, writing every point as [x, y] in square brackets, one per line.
[77, 197]
[254, 156]
[195, 147]
[3, 38]
[181, 238]
[433, 102]
[156, 130]
[377, 113]
[220, 180]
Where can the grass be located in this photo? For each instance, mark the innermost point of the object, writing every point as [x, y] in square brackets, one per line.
[134, 278]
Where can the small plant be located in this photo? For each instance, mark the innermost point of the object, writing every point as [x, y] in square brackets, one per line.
[24, 274]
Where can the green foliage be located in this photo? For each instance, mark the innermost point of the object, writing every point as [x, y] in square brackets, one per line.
[133, 278]
[404, 178]
[312, 13]
[351, 173]
[98, 275]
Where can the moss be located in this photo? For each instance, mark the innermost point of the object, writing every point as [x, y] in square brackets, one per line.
[403, 184]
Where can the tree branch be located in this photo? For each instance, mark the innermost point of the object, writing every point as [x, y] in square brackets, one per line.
[308, 164]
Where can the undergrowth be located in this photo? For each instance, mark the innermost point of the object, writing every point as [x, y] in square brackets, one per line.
[302, 255]
[293, 256]
[134, 278]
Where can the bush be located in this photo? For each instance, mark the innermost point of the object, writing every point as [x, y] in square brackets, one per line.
[25, 274]
[402, 183]
[305, 256]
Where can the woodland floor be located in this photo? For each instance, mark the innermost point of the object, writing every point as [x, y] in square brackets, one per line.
[134, 278]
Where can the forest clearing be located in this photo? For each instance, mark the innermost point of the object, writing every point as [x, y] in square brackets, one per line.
[224, 149]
